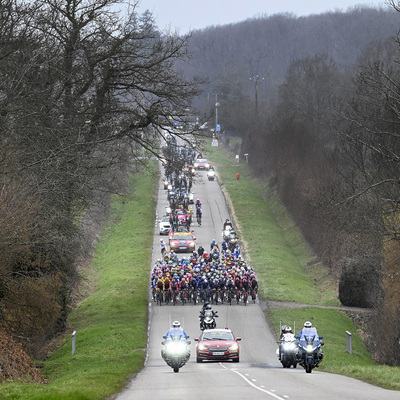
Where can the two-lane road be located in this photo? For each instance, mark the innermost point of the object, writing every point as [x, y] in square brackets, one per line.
[258, 375]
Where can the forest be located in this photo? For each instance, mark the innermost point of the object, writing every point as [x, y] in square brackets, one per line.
[316, 102]
[86, 93]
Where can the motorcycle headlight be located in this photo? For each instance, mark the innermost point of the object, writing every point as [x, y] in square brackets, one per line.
[309, 348]
[176, 347]
[289, 346]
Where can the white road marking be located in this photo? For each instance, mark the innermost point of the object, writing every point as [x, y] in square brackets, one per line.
[252, 384]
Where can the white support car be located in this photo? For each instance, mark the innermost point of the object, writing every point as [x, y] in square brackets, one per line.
[165, 225]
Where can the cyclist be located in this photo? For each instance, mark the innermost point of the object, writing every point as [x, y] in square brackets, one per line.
[199, 214]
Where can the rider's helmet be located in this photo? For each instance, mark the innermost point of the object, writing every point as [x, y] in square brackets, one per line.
[209, 307]
[176, 324]
[287, 329]
[307, 324]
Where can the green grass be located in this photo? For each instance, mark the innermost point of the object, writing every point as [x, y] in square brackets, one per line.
[111, 323]
[332, 325]
[281, 259]
[276, 248]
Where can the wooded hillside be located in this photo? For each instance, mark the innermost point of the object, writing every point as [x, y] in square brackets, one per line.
[316, 101]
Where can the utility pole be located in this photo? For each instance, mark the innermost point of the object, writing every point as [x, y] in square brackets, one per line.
[217, 127]
[256, 78]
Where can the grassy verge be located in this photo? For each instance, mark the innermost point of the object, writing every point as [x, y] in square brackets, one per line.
[111, 324]
[276, 248]
[281, 259]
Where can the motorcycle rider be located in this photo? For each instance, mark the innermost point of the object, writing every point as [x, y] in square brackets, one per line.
[206, 307]
[227, 223]
[284, 331]
[308, 330]
[176, 331]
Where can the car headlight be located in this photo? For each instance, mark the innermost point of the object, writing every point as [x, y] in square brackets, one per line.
[196, 165]
[202, 347]
[234, 348]
[207, 165]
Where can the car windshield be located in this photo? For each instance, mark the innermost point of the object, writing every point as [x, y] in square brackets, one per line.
[182, 237]
[201, 160]
[218, 335]
[165, 219]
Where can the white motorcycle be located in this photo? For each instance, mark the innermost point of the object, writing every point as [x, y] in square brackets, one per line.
[288, 351]
[176, 351]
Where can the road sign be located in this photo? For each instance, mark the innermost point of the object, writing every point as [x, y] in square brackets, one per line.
[218, 127]
[214, 143]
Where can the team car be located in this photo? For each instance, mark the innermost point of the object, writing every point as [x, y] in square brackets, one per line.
[182, 242]
[201, 163]
[217, 344]
[165, 225]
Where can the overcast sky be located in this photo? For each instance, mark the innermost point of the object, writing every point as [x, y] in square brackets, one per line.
[187, 15]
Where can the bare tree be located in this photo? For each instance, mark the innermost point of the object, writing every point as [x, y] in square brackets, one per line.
[84, 94]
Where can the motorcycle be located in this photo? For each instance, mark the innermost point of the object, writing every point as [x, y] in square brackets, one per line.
[288, 351]
[232, 241]
[226, 232]
[176, 351]
[310, 354]
[207, 321]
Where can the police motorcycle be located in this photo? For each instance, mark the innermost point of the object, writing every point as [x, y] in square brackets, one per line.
[288, 351]
[207, 317]
[208, 321]
[176, 351]
[211, 174]
[310, 352]
[233, 240]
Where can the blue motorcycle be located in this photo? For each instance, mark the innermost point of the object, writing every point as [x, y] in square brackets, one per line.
[310, 352]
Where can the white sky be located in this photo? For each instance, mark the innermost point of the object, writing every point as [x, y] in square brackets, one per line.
[187, 15]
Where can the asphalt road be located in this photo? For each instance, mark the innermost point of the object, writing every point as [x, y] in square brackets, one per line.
[259, 374]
